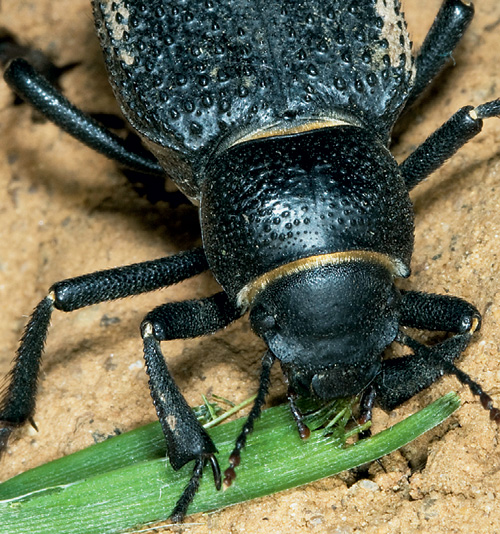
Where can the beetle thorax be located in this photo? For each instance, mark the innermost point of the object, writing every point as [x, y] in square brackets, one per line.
[271, 202]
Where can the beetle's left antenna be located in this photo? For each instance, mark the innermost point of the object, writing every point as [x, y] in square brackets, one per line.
[35, 89]
[234, 458]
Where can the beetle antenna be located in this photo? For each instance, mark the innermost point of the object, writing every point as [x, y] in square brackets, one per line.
[486, 400]
[264, 381]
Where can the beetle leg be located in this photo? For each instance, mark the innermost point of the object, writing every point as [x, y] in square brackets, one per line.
[179, 512]
[186, 439]
[35, 89]
[428, 311]
[10, 49]
[235, 457]
[465, 124]
[17, 403]
[448, 28]
[402, 378]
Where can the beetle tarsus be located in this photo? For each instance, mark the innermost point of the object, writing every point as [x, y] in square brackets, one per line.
[180, 509]
[489, 109]
[179, 512]
[476, 389]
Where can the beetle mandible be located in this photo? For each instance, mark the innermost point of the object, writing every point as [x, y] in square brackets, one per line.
[276, 121]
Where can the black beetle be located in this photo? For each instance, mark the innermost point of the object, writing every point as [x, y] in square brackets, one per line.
[276, 120]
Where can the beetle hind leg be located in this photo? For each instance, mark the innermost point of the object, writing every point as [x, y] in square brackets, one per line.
[446, 32]
[35, 89]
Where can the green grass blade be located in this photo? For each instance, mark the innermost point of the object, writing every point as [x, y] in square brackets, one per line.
[84, 502]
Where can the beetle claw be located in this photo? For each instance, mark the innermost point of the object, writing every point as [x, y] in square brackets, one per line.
[6, 429]
[216, 471]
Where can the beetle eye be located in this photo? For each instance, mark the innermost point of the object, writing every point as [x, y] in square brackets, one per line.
[392, 300]
[268, 322]
[262, 321]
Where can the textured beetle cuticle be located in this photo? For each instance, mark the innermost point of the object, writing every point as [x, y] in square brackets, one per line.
[250, 291]
[394, 31]
[171, 421]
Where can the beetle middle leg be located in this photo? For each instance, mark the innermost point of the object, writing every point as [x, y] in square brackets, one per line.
[465, 124]
[17, 404]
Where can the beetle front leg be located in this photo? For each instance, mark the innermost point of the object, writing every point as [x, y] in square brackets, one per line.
[186, 439]
[428, 311]
[17, 403]
[402, 378]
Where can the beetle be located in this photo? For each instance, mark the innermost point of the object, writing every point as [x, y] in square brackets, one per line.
[277, 124]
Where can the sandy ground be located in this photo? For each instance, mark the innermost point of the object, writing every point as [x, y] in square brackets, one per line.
[66, 211]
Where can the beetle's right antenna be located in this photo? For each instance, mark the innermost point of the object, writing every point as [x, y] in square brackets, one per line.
[35, 89]
[476, 389]
[235, 457]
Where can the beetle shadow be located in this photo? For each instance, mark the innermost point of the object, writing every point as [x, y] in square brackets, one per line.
[443, 187]
[234, 354]
[151, 203]
[176, 223]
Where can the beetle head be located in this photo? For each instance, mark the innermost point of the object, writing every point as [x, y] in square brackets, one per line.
[329, 325]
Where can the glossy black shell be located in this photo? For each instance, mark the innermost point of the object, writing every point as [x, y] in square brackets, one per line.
[194, 76]
[297, 196]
